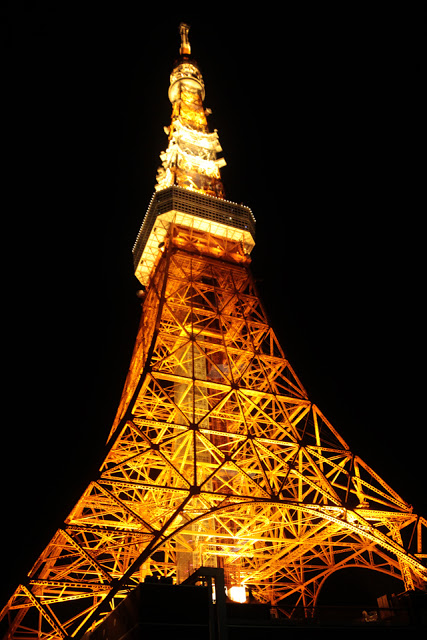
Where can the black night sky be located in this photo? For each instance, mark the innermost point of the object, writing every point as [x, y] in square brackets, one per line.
[319, 115]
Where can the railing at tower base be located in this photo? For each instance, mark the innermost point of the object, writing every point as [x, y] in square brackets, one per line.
[199, 609]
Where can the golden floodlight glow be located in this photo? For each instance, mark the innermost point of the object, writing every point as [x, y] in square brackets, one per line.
[217, 457]
[237, 593]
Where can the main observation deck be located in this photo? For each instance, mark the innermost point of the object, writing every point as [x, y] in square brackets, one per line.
[204, 213]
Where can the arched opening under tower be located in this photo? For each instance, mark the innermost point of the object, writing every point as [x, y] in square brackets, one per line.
[285, 558]
[357, 586]
[362, 594]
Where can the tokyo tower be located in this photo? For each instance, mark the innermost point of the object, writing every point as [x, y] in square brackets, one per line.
[216, 457]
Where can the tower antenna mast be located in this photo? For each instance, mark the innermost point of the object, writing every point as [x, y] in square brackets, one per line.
[185, 48]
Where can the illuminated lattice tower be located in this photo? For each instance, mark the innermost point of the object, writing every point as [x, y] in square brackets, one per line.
[216, 457]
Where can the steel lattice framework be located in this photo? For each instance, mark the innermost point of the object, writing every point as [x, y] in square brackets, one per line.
[217, 457]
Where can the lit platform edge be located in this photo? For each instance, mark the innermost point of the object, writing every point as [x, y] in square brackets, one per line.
[206, 213]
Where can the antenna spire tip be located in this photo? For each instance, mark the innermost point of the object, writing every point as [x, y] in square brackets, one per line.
[185, 48]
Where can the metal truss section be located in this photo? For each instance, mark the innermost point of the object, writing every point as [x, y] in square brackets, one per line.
[217, 458]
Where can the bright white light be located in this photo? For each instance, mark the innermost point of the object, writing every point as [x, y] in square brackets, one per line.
[237, 594]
